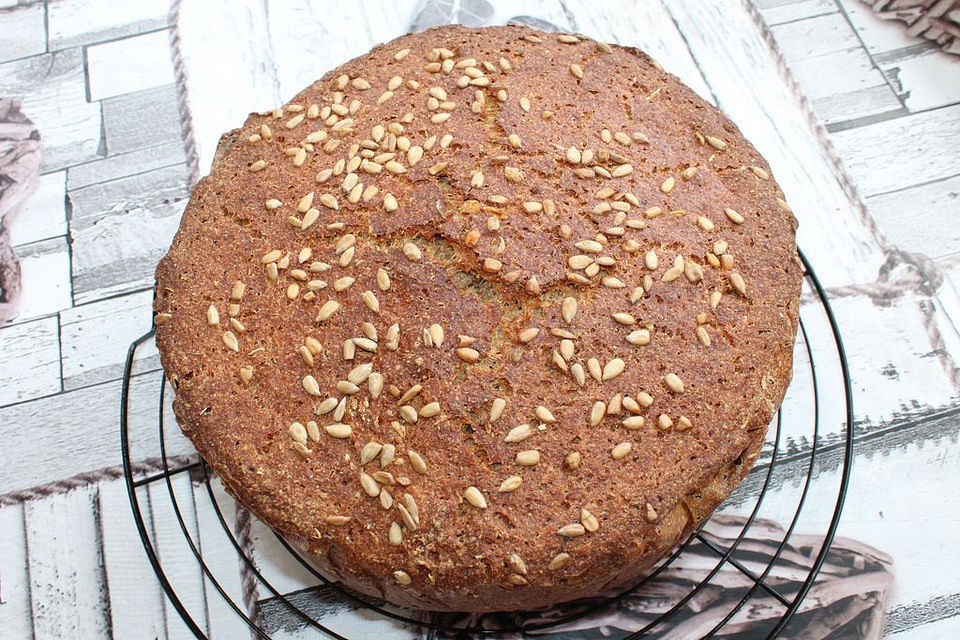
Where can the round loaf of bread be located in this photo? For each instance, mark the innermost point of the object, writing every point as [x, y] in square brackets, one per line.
[485, 319]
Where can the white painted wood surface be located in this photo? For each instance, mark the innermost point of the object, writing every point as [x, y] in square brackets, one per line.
[915, 163]
[32, 354]
[98, 83]
[222, 561]
[16, 618]
[68, 589]
[80, 432]
[128, 65]
[94, 337]
[134, 611]
[54, 94]
[44, 215]
[26, 35]
[180, 565]
[77, 22]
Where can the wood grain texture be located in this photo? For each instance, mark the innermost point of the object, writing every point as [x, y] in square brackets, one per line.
[946, 308]
[926, 81]
[181, 566]
[131, 64]
[279, 567]
[249, 91]
[67, 588]
[922, 147]
[75, 22]
[776, 12]
[123, 260]
[852, 70]
[221, 558]
[125, 128]
[44, 214]
[894, 378]
[135, 612]
[85, 436]
[854, 108]
[95, 336]
[45, 269]
[814, 36]
[15, 607]
[115, 249]
[29, 360]
[907, 430]
[54, 97]
[121, 165]
[25, 34]
[936, 203]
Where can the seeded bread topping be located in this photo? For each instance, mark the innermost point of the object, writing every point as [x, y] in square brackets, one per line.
[485, 319]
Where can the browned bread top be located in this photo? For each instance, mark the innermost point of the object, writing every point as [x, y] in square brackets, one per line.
[484, 319]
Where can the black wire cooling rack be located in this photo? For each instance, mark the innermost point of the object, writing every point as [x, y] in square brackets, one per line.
[819, 351]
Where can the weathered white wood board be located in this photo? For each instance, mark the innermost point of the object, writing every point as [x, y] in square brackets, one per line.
[44, 214]
[117, 252]
[74, 22]
[842, 111]
[929, 81]
[54, 96]
[278, 565]
[919, 148]
[907, 523]
[45, 270]
[131, 64]
[29, 360]
[776, 12]
[67, 588]
[124, 207]
[135, 612]
[179, 563]
[122, 165]
[891, 379]
[222, 561]
[125, 129]
[15, 610]
[80, 432]
[245, 74]
[851, 71]
[139, 191]
[94, 339]
[814, 36]
[936, 203]
[24, 33]
[946, 308]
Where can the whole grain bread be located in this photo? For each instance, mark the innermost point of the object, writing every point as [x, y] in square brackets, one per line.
[485, 319]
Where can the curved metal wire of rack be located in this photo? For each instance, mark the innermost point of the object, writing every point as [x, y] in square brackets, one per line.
[522, 624]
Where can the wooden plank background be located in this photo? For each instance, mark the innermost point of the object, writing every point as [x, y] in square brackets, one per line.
[97, 77]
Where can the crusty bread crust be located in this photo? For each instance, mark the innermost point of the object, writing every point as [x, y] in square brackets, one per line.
[485, 237]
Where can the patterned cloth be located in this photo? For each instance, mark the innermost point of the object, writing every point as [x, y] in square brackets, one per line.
[937, 20]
